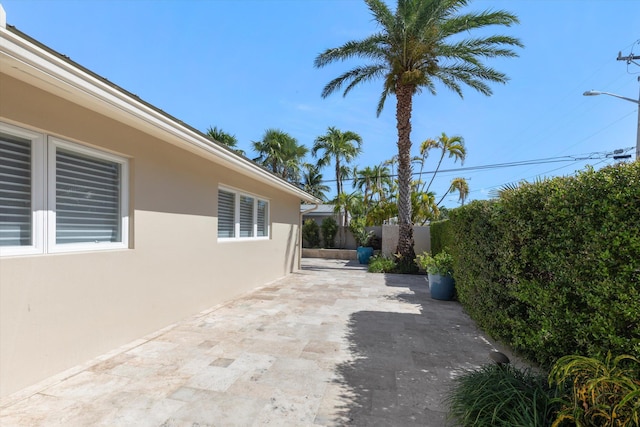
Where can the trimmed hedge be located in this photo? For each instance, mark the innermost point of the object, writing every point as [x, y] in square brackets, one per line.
[441, 236]
[553, 268]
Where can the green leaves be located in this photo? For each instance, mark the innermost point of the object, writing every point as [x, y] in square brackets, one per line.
[553, 268]
[501, 396]
[600, 393]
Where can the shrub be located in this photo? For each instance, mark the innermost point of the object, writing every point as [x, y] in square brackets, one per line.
[329, 230]
[441, 236]
[310, 234]
[605, 394]
[501, 396]
[440, 264]
[553, 268]
[381, 264]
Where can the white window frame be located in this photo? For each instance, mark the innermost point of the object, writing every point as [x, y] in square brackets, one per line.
[54, 144]
[38, 185]
[43, 195]
[256, 198]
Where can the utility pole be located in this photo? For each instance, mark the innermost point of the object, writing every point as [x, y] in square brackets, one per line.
[630, 59]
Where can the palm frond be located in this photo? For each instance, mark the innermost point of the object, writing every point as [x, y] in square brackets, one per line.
[367, 48]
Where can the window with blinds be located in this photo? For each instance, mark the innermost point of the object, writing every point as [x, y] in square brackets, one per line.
[246, 216]
[226, 214]
[263, 218]
[59, 196]
[242, 216]
[15, 191]
[87, 199]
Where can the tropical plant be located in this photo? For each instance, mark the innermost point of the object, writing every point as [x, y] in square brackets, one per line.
[312, 182]
[338, 147]
[376, 185]
[280, 153]
[346, 205]
[381, 264]
[461, 186]
[503, 396]
[453, 146]
[418, 44]
[357, 226]
[310, 234]
[329, 229]
[224, 138]
[603, 394]
[440, 264]
[423, 205]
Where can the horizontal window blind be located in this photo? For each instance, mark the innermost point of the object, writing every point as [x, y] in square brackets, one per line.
[246, 216]
[15, 191]
[87, 199]
[226, 213]
[263, 219]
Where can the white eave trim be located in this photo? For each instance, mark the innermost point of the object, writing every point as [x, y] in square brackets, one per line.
[31, 63]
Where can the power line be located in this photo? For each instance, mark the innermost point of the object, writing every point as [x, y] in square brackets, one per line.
[560, 159]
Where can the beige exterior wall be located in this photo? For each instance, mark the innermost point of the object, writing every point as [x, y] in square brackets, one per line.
[57, 311]
[421, 239]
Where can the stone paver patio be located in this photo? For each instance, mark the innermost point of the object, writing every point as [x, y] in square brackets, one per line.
[330, 345]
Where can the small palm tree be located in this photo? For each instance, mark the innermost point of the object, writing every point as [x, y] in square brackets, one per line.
[341, 148]
[224, 138]
[364, 179]
[280, 153]
[453, 146]
[420, 43]
[461, 186]
[312, 182]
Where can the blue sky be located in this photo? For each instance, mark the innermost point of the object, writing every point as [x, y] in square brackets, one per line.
[247, 65]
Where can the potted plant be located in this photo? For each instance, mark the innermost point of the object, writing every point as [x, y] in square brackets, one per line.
[363, 239]
[439, 269]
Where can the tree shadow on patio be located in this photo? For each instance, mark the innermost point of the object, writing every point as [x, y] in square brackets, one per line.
[404, 361]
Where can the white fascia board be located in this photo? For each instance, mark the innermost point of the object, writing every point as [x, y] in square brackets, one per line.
[39, 67]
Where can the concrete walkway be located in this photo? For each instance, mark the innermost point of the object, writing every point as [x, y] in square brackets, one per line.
[330, 345]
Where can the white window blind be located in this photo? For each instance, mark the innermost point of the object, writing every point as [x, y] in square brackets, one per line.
[87, 199]
[246, 216]
[15, 191]
[263, 219]
[226, 213]
[242, 216]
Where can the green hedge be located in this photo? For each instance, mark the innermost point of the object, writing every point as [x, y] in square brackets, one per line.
[441, 236]
[553, 268]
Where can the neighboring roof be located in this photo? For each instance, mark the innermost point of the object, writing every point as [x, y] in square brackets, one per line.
[320, 210]
[26, 59]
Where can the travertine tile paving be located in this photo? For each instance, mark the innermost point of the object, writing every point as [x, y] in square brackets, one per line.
[329, 345]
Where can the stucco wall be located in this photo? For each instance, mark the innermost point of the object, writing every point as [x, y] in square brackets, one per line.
[57, 311]
[390, 233]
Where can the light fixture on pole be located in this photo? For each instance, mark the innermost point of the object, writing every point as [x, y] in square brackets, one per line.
[635, 101]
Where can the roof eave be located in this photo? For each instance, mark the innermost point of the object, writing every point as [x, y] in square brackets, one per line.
[29, 60]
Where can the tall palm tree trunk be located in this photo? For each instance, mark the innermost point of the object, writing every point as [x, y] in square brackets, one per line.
[338, 177]
[404, 96]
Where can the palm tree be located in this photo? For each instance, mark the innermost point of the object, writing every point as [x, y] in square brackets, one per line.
[461, 186]
[422, 42]
[344, 205]
[280, 153]
[340, 147]
[224, 138]
[453, 146]
[364, 179]
[312, 182]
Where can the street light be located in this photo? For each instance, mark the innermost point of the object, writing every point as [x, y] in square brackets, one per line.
[635, 101]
